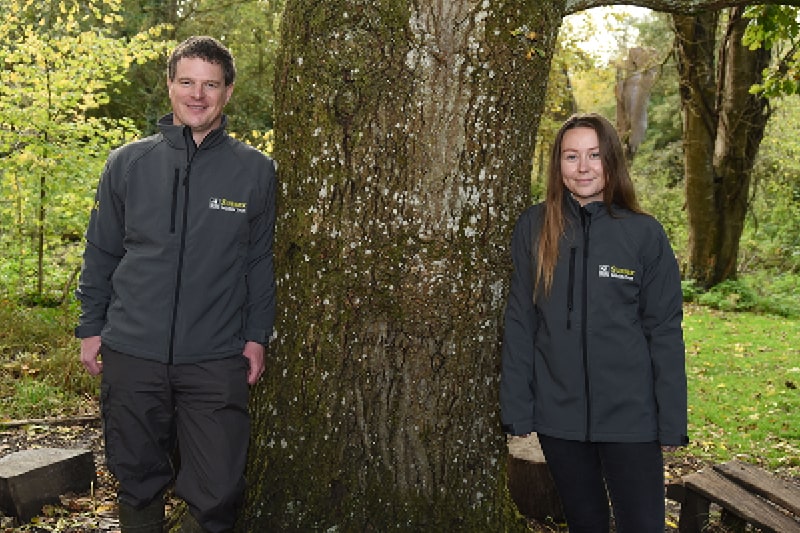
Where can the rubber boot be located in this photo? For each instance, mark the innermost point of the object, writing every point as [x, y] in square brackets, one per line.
[149, 519]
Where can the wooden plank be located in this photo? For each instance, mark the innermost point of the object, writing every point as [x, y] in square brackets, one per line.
[694, 508]
[763, 483]
[736, 499]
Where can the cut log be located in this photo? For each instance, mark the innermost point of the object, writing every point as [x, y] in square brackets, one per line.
[529, 481]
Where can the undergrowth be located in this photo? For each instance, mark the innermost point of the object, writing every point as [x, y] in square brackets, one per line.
[40, 370]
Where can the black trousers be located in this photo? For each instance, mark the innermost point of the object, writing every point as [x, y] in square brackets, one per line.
[587, 473]
[149, 408]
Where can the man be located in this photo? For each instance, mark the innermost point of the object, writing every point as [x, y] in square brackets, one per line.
[178, 300]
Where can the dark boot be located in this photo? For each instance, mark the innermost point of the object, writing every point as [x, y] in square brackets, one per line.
[149, 519]
[190, 525]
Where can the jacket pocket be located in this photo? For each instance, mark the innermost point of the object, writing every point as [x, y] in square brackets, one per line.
[174, 209]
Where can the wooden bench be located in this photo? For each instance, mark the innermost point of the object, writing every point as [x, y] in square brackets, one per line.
[744, 492]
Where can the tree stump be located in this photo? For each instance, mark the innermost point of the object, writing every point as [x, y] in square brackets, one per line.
[529, 480]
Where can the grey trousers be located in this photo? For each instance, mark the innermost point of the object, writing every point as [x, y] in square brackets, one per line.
[151, 410]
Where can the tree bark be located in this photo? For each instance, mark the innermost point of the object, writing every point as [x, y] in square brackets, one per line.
[723, 127]
[404, 134]
[635, 79]
[404, 137]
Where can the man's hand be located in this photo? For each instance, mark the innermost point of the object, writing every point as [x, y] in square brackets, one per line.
[90, 353]
[255, 354]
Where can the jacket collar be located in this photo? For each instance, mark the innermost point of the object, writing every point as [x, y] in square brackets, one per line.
[180, 136]
[573, 208]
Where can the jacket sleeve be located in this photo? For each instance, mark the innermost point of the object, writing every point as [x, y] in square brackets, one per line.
[662, 313]
[516, 374]
[260, 304]
[104, 249]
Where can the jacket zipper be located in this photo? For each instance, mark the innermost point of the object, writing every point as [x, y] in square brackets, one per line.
[181, 250]
[586, 222]
[571, 287]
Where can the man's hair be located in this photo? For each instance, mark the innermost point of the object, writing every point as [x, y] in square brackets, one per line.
[207, 49]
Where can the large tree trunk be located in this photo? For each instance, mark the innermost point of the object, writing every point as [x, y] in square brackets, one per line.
[723, 127]
[404, 137]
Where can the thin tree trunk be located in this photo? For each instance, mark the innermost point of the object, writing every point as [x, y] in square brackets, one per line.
[723, 128]
[742, 119]
[695, 40]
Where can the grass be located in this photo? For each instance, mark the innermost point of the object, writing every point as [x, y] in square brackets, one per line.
[40, 371]
[743, 370]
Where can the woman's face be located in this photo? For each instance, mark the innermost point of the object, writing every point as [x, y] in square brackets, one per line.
[581, 165]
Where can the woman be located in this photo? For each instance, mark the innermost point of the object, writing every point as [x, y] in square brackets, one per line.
[593, 353]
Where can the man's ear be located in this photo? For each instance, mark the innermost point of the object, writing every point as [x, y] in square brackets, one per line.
[228, 93]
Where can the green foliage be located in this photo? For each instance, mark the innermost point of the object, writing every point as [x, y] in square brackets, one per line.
[776, 27]
[58, 60]
[32, 397]
[771, 239]
[762, 292]
[730, 295]
[776, 293]
[248, 27]
[690, 290]
[40, 370]
[660, 192]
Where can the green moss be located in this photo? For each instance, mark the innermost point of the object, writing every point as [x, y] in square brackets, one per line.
[378, 409]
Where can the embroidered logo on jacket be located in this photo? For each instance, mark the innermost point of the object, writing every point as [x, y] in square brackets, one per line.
[611, 271]
[223, 204]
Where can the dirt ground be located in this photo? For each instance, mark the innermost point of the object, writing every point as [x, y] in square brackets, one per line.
[96, 512]
[84, 513]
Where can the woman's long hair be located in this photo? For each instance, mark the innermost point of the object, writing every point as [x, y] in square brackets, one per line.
[619, 192]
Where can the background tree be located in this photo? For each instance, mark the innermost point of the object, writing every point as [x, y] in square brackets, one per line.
[635, 79]
[405, 132]
[723, 124]
[58, 60]
[248, 27]
[774, 240]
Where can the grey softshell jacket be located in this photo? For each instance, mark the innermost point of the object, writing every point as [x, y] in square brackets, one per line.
[178, 265]
[602, 358]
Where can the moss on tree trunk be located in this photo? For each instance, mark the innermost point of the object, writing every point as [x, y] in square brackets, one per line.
[404, 135]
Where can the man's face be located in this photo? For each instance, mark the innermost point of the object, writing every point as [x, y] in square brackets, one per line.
[198, 94]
